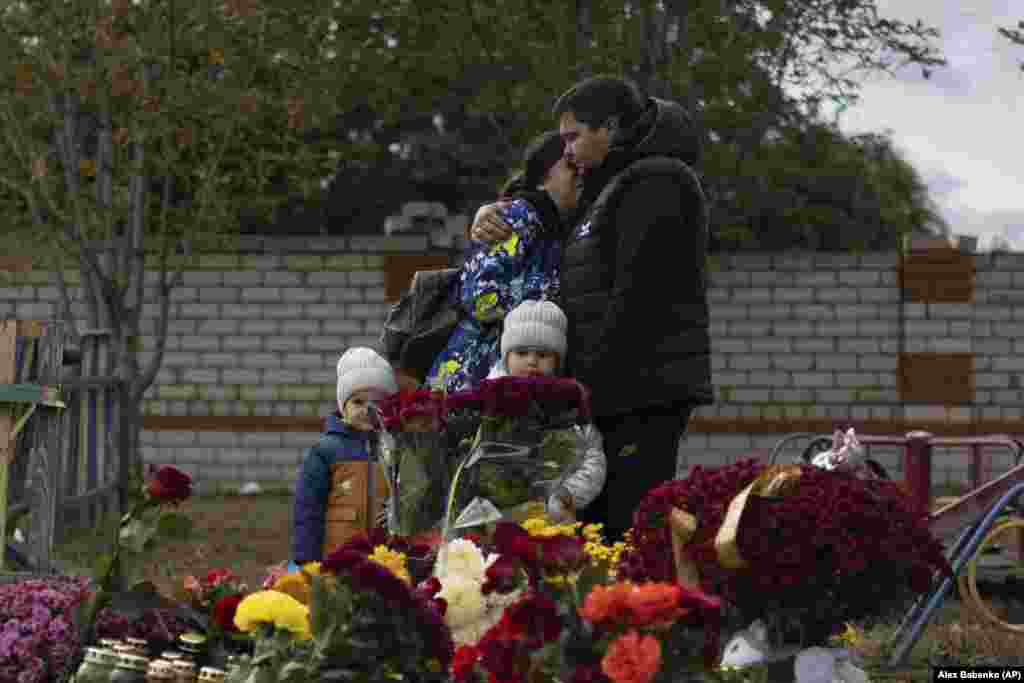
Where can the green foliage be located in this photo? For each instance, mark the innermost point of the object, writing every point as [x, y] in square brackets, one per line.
[236, 141]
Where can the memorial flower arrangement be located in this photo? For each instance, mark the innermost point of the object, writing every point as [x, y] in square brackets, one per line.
[154, 516]
[572, 621]
[357, 615]
[415, 455]
[528, 437]
[803, 548]
[215, 597]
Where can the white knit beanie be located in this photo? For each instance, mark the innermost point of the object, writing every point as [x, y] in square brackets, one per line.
[363, 368]
[535, 324]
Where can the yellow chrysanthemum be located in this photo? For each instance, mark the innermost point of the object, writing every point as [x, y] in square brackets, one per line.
[542, 528]
[592, 532]
[275, 608]
[312, 568]
[393, 561]
[295, 585]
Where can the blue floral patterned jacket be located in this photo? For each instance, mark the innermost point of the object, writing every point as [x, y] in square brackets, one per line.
[495, 279]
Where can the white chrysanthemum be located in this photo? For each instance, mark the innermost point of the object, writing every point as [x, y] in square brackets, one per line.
[465, 601]
[462, 558]
[495, 605]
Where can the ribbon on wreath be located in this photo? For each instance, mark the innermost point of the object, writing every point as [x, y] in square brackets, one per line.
[774, 481]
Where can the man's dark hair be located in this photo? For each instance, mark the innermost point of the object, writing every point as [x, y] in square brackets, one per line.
[596, 100]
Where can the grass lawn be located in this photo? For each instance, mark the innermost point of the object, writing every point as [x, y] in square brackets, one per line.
[246, 534]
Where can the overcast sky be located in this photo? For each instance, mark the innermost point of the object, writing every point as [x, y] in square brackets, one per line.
[962, 129]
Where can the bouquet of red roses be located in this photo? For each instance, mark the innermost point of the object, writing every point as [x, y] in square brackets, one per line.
[414, 453]
[216, 597]
[531, 433]
[831, 548]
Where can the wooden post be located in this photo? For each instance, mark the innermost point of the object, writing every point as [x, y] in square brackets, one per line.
[124, 454]
[8, 373]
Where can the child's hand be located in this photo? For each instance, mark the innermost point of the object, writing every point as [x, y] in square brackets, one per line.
[560, 508]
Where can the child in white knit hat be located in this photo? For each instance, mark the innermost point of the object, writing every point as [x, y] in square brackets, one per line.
[333, 492]
[533, 342]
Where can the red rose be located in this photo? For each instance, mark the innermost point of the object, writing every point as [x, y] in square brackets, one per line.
[341, 560]
[501, 652]
[169, 485]
[428, 588]
[368, 575]
[512, 539]
[587, 673]
[464, 662]
[215, 577]
[562, 554]
[224, 612]
[502, 576]
[536, 617]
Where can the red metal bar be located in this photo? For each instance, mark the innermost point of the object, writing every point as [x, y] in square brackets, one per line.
[917, 468]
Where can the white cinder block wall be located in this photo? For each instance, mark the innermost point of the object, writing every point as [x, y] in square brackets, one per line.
[794, 336]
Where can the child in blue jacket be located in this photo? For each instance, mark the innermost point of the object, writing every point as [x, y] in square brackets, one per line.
[333, 492]
[497, 278]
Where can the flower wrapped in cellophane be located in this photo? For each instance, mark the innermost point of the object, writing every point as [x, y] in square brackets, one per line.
[534, 450]
[414, 452]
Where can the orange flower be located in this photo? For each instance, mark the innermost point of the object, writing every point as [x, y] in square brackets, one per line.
[655, 603]
[632, 658]
[57, 71]
[106, 36]
[151, 104]
[23, 77]
[121, 82]
[184, 137]
[39, 169]
[87, 88]
[240, 8]
[248, 102]
[606, 603]
[296, 109]
[120, 8]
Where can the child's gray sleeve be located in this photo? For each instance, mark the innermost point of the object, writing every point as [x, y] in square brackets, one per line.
[586, 482]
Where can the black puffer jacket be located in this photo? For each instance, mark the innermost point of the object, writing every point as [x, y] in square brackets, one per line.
[633, 271]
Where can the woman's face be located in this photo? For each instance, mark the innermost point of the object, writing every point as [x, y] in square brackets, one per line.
[561, 184]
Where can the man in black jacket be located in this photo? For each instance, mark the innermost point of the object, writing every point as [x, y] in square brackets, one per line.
[632, 282]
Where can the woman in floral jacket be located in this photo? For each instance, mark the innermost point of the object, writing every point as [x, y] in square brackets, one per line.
[498, 277]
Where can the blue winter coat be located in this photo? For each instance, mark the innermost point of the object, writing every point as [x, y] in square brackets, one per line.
[495, 279]
[339, 444]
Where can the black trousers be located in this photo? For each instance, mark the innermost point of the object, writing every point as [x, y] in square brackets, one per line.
[642, 449]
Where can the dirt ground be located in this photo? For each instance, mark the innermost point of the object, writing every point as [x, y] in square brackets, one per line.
[246, 534]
